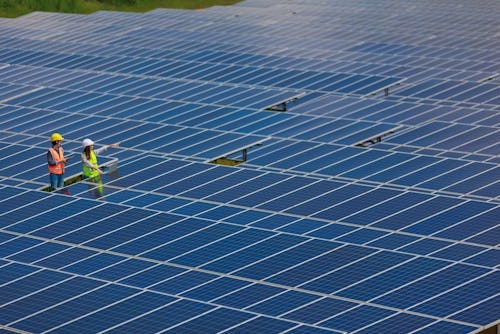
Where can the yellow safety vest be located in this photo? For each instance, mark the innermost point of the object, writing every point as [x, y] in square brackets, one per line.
[87, 171]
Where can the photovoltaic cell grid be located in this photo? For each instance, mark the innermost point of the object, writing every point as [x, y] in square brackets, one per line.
[324, 229]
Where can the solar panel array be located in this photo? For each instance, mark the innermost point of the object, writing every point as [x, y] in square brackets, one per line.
[368, 200]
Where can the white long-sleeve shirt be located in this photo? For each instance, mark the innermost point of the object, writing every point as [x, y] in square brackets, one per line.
[87, 163]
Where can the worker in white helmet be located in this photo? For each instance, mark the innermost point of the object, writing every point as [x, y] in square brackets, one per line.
[90, 167]
[56, 162]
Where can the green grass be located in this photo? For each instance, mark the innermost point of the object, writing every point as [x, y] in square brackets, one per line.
[227, 162]
[15, 8]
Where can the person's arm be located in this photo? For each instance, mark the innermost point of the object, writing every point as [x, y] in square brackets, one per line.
[50, 159]
[100, 150]
[104, 148]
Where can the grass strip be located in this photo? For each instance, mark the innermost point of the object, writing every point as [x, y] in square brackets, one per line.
[15, 8]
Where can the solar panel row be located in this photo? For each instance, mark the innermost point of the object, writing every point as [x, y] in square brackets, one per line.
[312, 234]
[479, 136]
[215, 248]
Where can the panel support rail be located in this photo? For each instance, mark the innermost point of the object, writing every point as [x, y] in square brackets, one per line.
[385, 88]
[376, 139]
[282, 106]
[226, 160]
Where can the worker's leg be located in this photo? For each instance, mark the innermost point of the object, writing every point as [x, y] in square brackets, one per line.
[53, 181]
[96, 179]
[60, 181]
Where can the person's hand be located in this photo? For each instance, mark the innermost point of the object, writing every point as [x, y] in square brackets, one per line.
[100, 171]
[114, 145]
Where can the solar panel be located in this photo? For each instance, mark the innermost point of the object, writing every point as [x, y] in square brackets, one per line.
[360, 193]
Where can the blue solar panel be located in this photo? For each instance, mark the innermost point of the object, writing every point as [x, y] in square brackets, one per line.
[182, 282]
[79, 306]
[151, 276]
[34, 282]
[64, 258]
[159, 319]
[48, 297]
[93, 263]
[217, 320]
[321, 309]
[16, 245]
[192, 241]
[365, 199]
[249, 295]
[484, 310]
[14, 271]
[357, 318]
[349, 274]
[394, 323]
[446, 327]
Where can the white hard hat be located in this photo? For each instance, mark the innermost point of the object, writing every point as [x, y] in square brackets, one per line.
[87, 142]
